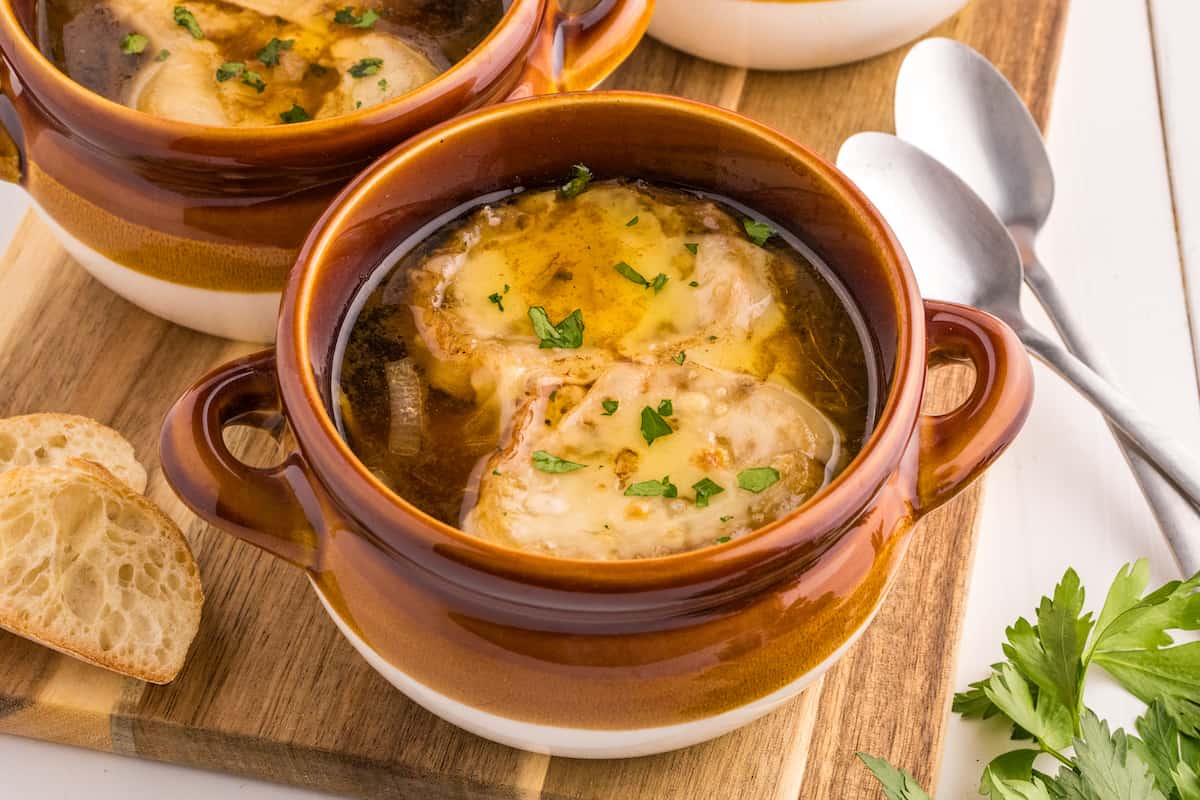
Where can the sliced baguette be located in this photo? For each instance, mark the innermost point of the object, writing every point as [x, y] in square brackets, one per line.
[96, 571]
[48, 440]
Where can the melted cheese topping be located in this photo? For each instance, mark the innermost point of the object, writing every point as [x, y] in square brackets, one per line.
[722, 423]
[717, 305]
[313, 73]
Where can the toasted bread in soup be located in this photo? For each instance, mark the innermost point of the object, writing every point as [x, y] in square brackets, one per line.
[94, 570]
[48, 440]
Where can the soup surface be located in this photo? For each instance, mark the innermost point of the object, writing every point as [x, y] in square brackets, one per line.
[258, 62]
[606, 370]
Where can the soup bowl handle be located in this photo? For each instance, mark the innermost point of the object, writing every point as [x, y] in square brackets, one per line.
[263, 506]
[10, 151]
[580, 42]
[958, 445]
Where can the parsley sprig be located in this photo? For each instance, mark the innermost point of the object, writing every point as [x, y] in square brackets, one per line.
[1039, 690]
[567, 334]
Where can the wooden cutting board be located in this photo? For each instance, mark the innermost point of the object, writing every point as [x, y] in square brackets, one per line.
[271, 689]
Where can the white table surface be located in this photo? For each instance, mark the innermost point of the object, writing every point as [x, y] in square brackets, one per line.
[1062, 495]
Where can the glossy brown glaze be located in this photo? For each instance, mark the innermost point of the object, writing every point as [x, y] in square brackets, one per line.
[227, 208]
[599, 644]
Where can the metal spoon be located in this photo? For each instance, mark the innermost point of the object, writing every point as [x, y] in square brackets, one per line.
[955, 105]
[961, 252]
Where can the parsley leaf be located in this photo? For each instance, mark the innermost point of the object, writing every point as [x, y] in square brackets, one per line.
[365, 67]
[269, 55]
[660, 280]
[1171, 675]
[724, 539]
[230, 69]
[546, 462]
[706, 488]
[186, 19]
[692, 247]
[631, 274]
[679, 357]
[1046, 719]
[1016, 765]
[253, 79]
[757, 479]
[581, 176]
[758, 232]
[897, 784]
[498, 299]
[346, 16]
[1051, 654]
[163, 55]
[632, 222]
[663, 488]
[133, 44]
[566, 335]
[654, 426]
[666, 408]
[1108, 770]
[295, 114]
[610, 407]
[1160, 746]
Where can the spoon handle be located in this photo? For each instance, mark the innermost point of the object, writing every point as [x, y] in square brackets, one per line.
[1157, 445]
[1179, 520]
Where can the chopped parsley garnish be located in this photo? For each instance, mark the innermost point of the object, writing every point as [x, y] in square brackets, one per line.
[679, 357]
[383, 84]
[549, 463]
[317, 71]
[726, 518]
[133, 44]
[498, 299]
[632, 222]
[666, 408]
[692, 247]
[663, 488]
[757, 479]
[163, 55]
[269, 55]
[724, 539]
[365, 67]
[186, 19]
[581, 176]
[712, 338]
[660, 280]
[630, 274]
[566, 335]
[230, 69]
[758, 232]
[495, 472]
[346, 16]
[610, 407]
[654, 426]
[693, 284]
[253, 79]
[706, 488]
[294, 114]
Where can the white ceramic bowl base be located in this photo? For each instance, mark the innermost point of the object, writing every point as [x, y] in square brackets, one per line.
[246, 316]
[582, 742]
[782, 35]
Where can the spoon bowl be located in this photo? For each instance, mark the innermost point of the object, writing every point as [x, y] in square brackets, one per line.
[961, 251]
[953, 103]
[958, 247]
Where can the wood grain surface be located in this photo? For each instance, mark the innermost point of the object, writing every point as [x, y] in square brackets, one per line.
[272, 690]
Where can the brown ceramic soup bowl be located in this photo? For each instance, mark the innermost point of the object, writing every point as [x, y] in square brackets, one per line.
[200, 224]
[583, 658]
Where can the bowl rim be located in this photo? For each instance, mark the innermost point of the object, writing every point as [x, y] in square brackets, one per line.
[514, 33]
[831, 509]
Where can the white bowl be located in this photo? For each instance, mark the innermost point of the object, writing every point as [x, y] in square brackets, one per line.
[794, 34]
